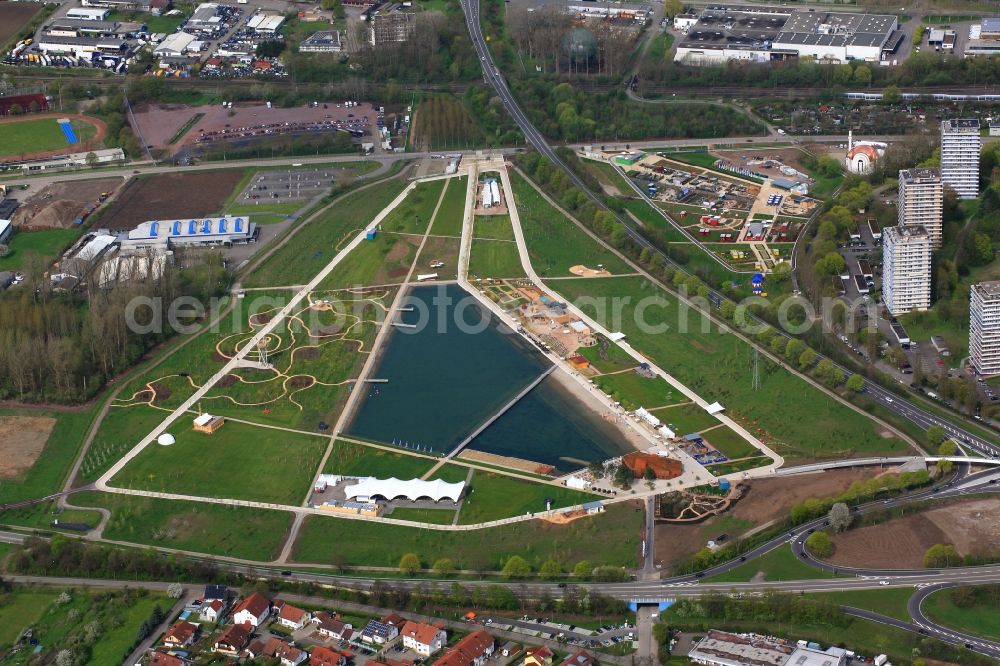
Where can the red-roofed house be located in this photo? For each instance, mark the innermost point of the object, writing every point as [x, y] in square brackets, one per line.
[324, 656]
[425, 639]
[262, 65]
[164, 659]
[277, 649]
[233, 639]
[579, 658]
[473, 650]
[181, 634]
[212, 610]
[293, 617]
[330, 626]
[538, 656]
[254, 610]
[394, 620]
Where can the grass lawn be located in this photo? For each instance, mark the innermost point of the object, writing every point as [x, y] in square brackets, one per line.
[116, 643]
[891, 602]
[279, 209]
[729, 442]
[554, 242]
[36, 135]
[47, 243]
[451, 473]
[980, 619]
[495, 259]
[49, 472]
[697, 158]
[316, 243]
[723, 469]
[778, 565]
[634, 391]
[167, 24]
[606, 356]
[21, 609]
[492, 227]
[414, 213]
[238, 461]
[452, 212]
[442, 516]
[798, 420]
[120, 430]
[608, 176]
[494, 496]
[382, 260]
[214, 529]
[611, 538]
[686, 419]
[42, 515]
[352, 459]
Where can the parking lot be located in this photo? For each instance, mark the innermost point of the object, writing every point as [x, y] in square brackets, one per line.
[287, 185]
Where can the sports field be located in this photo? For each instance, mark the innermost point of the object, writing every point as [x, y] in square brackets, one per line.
[37, 135]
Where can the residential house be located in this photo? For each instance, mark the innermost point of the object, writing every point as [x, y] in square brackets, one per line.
[181, 634]
[212, 611]
[324, 656]
[164, 659]
[538, 656]
[379, 633]
[579, 658]
[293, 617]
[509, 649]
[330, 627]
[424, 639]
[473, 650]
[220, 592]
[253, 610]
[275, 648]
[394, 619]
[233, 639]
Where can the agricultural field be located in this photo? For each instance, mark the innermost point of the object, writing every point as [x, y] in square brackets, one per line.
[61, 621]
[351, 459]
[238, 461]
[609, 538]
[442, 122]
[796, 419]
[313, 245]
[14, 16]
[21, 137]
[554, 243]
[170, 196]
[215, 529]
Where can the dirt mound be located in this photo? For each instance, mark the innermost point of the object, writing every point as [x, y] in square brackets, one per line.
[307, 353]
[325, 331]
[161, 393]
[261, 319]
[59, 205]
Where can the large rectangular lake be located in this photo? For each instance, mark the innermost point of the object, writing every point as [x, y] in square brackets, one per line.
[455, 370]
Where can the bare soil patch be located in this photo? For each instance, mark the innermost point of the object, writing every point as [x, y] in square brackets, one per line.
[301, 381]
[973, 527]
[767, 500]
[59, 205]
[170, 196]
[306, 353]
[161, 393]
[22, 439]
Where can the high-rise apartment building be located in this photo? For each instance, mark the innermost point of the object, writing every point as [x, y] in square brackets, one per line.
[906, 269]
[984, 327]
[921, 201]
[960, 147]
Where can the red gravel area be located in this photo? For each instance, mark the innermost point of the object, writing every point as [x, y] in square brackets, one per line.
[170, 196]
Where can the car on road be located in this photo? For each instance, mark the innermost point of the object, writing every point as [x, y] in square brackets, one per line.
[883, 582]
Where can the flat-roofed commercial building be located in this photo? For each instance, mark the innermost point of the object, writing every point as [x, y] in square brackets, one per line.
[906, 269]
[324, 41]
[984, 327]
[921, 201]
[960, 148]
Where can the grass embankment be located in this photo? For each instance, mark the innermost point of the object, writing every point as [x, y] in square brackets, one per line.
[238, 461]
[213, 529]
[977, 615]
[610, 538]
[452, 212]
[495, 496]
[792, 416]
[778, 565]
[350, 459]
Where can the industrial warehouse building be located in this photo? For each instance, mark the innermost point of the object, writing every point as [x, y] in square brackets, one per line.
[763, 35]
[202, 231]
[324, 41]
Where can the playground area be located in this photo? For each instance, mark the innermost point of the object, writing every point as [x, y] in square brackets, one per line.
[748, 218]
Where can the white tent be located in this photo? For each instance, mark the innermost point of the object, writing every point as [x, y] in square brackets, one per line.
[714, 408]
[413, 489]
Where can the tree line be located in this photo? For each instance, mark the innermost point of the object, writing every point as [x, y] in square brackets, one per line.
[63, 346]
